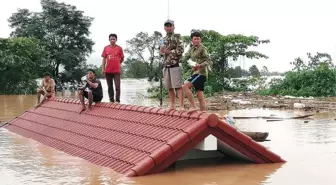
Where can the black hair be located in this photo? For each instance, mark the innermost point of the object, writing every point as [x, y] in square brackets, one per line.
[113, 35]
[195, 34]
[46, 74]
[91, 70]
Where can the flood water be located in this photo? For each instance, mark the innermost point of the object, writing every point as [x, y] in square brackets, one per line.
[309, 149]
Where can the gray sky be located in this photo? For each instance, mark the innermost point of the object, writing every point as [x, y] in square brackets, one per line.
[294, 27]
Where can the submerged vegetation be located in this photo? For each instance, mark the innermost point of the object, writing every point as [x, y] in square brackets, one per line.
[315, 77]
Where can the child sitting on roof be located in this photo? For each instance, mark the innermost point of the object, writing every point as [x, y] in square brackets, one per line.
[94, 92]
[47, 89]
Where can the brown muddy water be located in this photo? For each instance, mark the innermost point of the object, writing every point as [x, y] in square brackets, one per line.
[309, 148]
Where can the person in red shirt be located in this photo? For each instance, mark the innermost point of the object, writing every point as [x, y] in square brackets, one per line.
[113, 56]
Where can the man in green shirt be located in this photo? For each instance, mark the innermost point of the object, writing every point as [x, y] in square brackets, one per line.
[199, 54]
[172, 51]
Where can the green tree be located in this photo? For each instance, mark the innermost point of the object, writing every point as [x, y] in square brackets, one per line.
[236, 72]
[264, 71]
[21, 62]
[62, 30]
[136, 69]
[313, 61]
[221, 49]
[75, 74]
[254, 71]
[315, 77]
[142, 45]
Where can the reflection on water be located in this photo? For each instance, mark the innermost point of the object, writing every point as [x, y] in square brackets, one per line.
[309, 148]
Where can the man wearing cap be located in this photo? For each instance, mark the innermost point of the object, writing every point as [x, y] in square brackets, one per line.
[172, 50]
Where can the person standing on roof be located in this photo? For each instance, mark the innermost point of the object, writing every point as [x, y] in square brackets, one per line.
[47, 89]
[172, 50]
[113, 56]
[198, 53]
[94, 92]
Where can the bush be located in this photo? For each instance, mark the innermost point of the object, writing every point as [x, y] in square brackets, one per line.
[317, 82]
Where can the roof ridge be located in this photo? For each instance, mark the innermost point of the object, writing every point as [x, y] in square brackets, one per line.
[118, 119]
[143, 109]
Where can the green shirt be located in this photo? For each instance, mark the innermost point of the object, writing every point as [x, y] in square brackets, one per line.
[201, 56]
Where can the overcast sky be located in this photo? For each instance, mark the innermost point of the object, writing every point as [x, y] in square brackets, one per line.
[294, 27]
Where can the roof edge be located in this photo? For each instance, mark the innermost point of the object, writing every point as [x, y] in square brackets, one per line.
[143, 166]
[173, 157]
[173, 145]
[212, 120]
[258, 152]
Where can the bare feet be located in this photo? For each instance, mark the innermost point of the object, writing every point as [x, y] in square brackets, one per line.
[82, 109]
[181, 109]
[170, 109]
[192, 110]
[37, 105]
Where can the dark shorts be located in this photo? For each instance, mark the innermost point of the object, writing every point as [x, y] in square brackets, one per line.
[198, 81]
[95, 97]
[50, 94]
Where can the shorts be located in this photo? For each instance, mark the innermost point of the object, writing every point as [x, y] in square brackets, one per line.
[50, 94]
[95, 97]
[172, 78]
[198, 81]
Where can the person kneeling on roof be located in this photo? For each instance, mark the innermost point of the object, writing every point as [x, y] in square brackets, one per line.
[47, 89]
[94, 92]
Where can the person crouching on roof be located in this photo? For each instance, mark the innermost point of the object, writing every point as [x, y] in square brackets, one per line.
[94, 92]
[47, 89]
[200, 56]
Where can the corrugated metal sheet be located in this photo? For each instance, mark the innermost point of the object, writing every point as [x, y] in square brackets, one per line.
[132, 140]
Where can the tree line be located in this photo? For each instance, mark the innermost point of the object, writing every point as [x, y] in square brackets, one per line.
[61, 40]
[57, 40]
[314, 77]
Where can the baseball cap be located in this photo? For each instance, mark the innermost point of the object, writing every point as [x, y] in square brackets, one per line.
[169, 22]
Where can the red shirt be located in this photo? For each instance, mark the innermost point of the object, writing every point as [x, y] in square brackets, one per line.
[113, 54]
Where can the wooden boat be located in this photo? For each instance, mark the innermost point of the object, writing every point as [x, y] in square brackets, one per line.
[257, 136]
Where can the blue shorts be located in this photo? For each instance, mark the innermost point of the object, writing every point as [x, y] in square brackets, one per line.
[198, 81]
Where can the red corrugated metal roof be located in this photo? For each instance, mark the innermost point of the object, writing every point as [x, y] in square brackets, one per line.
[132, 140]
